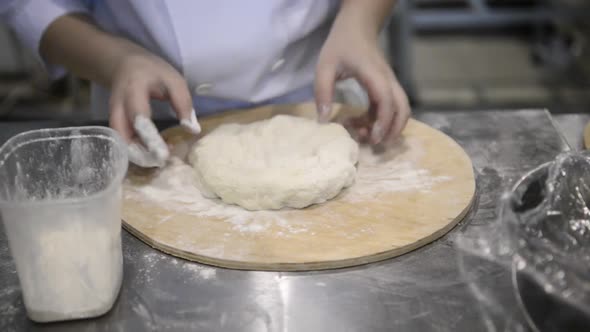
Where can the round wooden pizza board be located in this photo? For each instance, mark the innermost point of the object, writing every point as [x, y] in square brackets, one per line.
[375, 219]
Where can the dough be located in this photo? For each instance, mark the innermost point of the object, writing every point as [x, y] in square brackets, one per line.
[285, 161]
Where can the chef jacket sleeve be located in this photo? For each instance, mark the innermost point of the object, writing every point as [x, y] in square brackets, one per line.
[30, 18]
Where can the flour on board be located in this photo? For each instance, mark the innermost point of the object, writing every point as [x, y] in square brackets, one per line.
[176, 188]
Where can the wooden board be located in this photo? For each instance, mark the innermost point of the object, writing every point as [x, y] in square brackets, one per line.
[395, 206]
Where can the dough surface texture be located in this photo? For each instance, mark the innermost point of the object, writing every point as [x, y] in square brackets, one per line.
[285, 161]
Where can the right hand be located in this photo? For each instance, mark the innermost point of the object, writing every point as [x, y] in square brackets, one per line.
[134, 76]
[137, 79]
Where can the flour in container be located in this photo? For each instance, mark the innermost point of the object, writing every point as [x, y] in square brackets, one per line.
[76, 272]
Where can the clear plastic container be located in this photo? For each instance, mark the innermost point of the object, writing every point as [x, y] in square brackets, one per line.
[60, 202]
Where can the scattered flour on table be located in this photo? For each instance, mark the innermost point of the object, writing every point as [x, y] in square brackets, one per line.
[152, 265]
[202, 272]
[176, 188]
[8, 309]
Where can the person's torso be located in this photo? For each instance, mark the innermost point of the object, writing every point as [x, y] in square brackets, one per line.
[231, 53]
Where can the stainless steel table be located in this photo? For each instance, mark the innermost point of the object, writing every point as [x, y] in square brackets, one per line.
[421, 291]
[572, 128]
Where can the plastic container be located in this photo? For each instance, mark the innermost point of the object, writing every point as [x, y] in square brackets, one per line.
[60, 202]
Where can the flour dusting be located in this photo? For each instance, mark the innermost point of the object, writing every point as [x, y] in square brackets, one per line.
[389, 172]
[201, 272]
[150, 270]
[176, 188]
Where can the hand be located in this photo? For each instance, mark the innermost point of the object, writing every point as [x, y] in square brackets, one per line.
[133, 74]
[352, 50]
[138, 78]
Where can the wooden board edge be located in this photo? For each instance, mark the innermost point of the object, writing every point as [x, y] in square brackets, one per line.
[311, 266]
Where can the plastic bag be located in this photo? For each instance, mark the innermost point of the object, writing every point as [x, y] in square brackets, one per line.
[541, 240]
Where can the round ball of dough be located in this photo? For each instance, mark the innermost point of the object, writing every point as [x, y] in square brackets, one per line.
[285, 161]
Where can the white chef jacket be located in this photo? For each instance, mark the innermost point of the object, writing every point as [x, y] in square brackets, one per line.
[232, 54]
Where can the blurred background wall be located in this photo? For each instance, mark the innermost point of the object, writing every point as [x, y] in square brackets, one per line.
[474, 54]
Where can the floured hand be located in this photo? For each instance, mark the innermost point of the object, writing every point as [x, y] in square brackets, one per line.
[138, 79]
[352, 51]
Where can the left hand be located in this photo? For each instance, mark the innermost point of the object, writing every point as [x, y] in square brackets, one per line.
[352, 50]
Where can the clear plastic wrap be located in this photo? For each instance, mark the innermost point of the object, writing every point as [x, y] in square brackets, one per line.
[541, 242]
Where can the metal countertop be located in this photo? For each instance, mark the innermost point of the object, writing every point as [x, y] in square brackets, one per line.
[419, 291]
[571, 127]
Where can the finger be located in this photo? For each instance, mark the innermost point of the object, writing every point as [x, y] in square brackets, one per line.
[191, 124]
[381, 97]
[182, 104]
[136, 101]
[403, 112]
[149, 135]
[359, 128]
[118, 119]
[137, 109]
[324, 90]
[139, 156]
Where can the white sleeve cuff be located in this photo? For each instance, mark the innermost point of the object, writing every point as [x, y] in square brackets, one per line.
[30, 18]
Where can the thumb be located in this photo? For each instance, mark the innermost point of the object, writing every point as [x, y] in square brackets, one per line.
[324, 90]
[182, 104]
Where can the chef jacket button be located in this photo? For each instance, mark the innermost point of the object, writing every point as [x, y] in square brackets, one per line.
[203, 88]
[277, 65]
